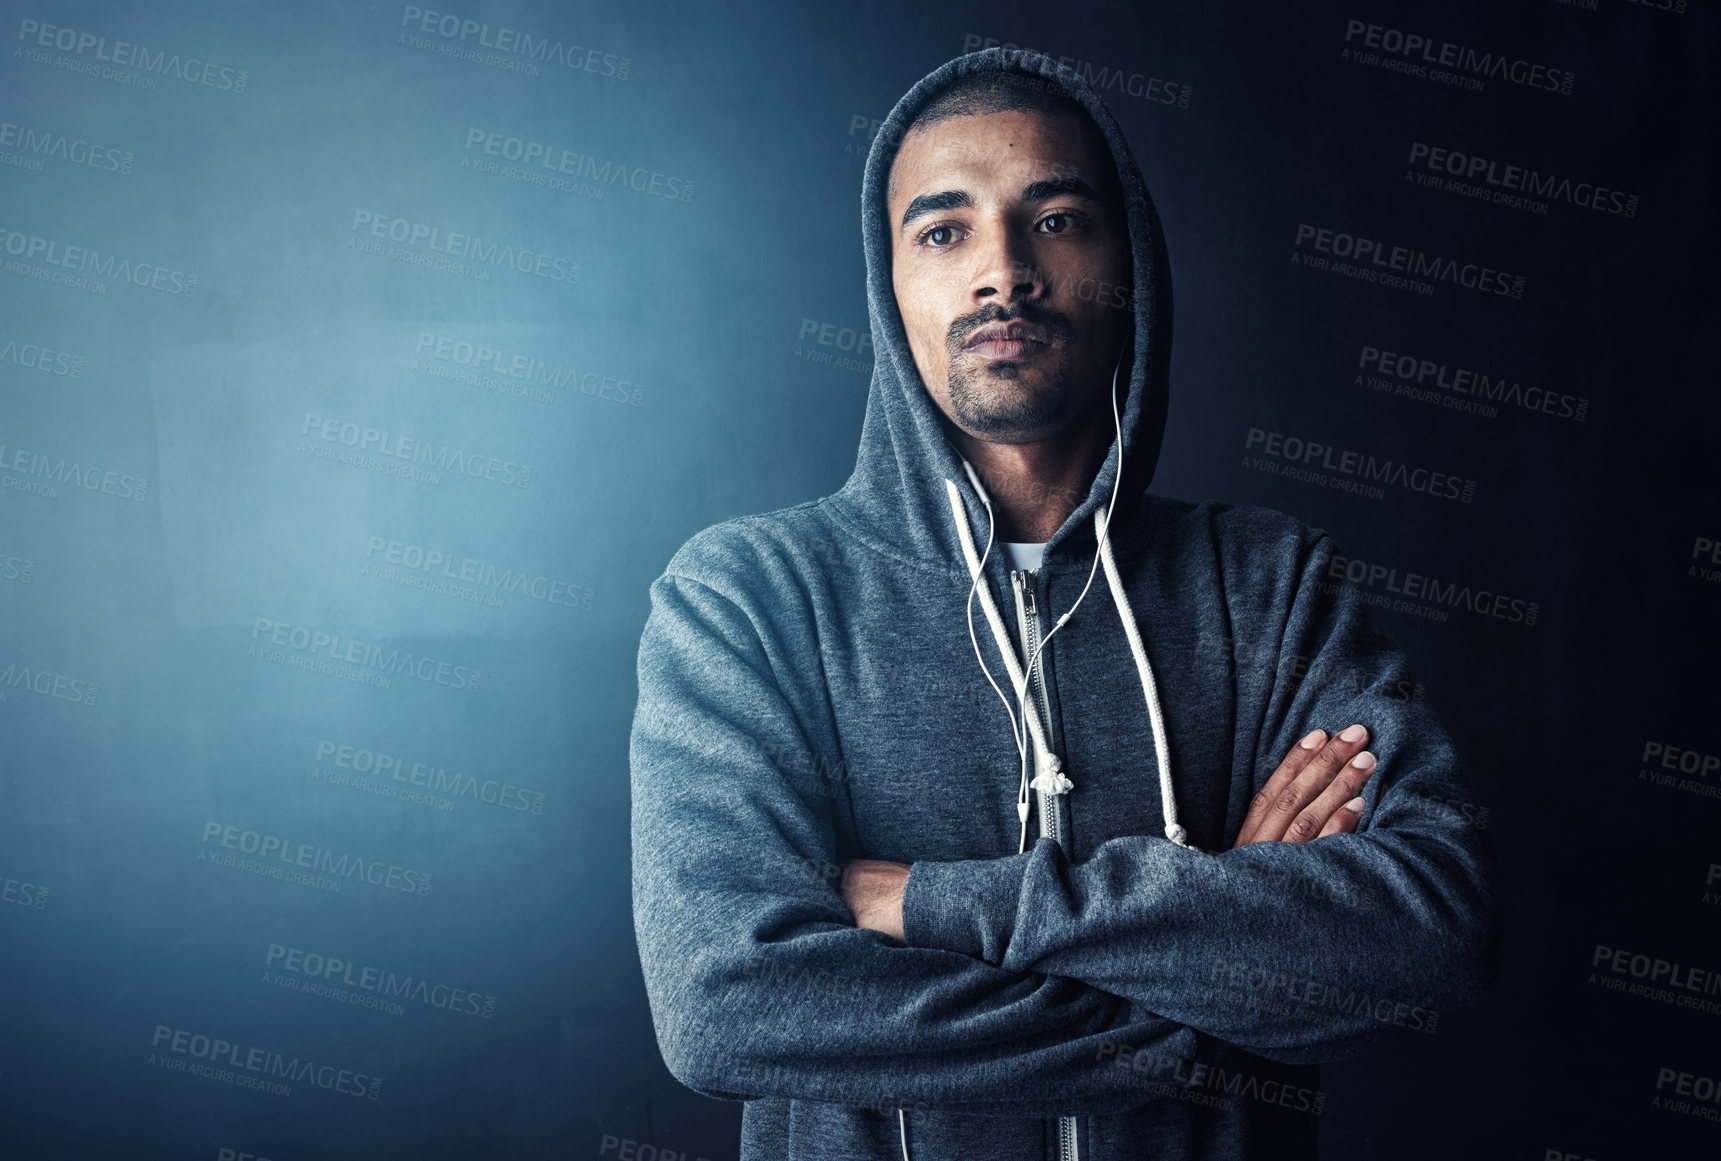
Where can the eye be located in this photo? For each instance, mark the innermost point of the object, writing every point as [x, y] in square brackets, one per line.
[928, 235]
[1070, 221]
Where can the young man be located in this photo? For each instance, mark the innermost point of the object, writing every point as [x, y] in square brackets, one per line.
[1106, 878]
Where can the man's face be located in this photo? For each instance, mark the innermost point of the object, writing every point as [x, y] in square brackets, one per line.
[1010, 275]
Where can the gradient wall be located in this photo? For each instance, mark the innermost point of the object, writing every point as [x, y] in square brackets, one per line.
[361, 365]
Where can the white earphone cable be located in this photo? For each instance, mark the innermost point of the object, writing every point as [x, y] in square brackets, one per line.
[1020, 680]
[1116, 480]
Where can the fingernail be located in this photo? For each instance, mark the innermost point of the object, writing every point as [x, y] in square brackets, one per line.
[1354, 733]
[1312, 740]
[1355, 804]
[1363, 760]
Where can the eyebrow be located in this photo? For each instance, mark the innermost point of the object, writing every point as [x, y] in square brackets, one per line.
[1034, 191]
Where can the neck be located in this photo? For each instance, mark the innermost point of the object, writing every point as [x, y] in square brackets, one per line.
[1035, 486]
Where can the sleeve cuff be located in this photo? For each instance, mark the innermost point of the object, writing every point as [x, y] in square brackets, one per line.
[968, 906]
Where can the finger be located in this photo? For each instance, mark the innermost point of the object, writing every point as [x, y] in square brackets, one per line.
[1344, 819]
[1287, 821]
[1307, 786]
[1275, 785]
[1344, 786]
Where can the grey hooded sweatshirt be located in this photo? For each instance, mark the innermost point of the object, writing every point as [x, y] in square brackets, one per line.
[1126, 986]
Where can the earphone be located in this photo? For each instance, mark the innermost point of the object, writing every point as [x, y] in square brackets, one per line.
[1018, 727]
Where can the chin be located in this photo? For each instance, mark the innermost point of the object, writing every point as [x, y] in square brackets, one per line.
[1005, 369]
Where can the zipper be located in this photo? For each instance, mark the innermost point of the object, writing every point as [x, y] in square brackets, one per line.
[1054, 818]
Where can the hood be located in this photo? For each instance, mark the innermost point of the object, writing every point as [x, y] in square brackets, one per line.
[897, 489]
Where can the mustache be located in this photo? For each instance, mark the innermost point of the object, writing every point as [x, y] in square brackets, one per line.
[1056, 324]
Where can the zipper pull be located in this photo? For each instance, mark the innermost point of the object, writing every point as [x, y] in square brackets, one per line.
[1028, 591]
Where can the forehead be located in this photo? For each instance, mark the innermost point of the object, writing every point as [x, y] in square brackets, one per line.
[999, 146]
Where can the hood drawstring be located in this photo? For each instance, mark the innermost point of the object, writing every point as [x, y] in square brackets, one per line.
[1149, 687]
[1055, 781]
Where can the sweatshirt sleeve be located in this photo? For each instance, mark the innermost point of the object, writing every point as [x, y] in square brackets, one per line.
[1299, 952]
[759, 983]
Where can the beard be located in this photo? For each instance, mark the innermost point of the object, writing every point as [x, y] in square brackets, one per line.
[1013, 400]
[999, 400]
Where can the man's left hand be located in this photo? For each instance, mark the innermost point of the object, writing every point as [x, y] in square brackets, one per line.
[872, 889]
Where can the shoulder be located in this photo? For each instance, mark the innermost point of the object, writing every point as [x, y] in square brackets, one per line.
[746, 556]
[1237, 532]
[1255, 560]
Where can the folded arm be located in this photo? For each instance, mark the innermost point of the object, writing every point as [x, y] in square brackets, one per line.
[1299, 951]
[760, 983]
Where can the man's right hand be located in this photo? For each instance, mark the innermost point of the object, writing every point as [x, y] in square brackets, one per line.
[1313, 792]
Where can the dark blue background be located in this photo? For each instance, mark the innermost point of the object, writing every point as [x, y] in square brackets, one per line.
[162, 716]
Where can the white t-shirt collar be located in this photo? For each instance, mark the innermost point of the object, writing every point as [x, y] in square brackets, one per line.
[1025, 555]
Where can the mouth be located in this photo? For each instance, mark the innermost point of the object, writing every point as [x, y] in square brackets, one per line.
[1016, 339]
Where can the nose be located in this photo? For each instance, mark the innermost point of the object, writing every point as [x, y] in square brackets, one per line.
[1005, 271]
